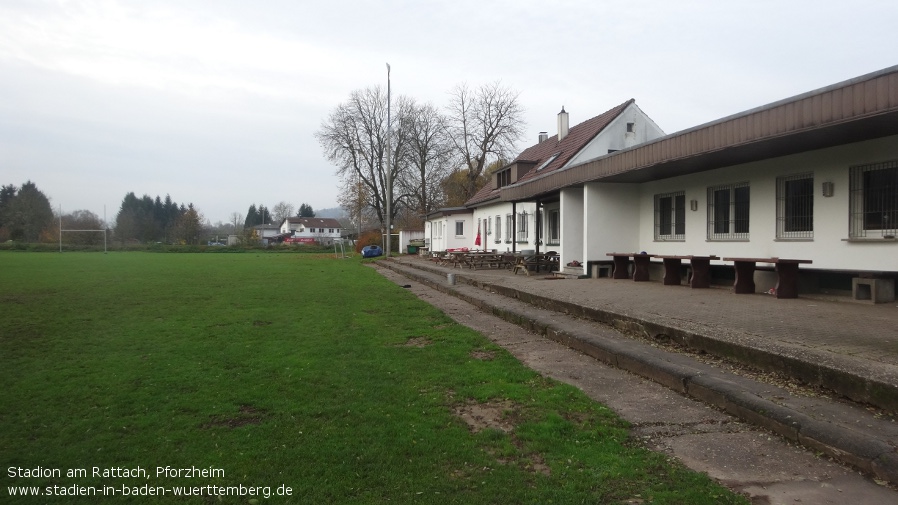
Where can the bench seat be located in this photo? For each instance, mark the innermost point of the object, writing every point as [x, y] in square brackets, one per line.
[786, 275]
[701, 270]
[640, 265]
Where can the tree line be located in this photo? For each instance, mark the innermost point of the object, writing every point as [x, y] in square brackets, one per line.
[434, 157]
[148, 219]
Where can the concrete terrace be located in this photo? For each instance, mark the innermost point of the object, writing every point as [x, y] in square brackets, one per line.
[848, 348]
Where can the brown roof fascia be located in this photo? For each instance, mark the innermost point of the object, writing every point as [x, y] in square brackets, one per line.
[862, 108]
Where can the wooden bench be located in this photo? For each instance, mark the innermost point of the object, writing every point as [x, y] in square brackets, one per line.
[786, 275]
[701, 270]
[640, 265]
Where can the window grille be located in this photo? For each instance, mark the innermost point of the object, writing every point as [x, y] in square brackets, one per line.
[554, 227]
[498, 229]
[509, 226]
[670, 216]
[873, 200]
[522, 227]
[795, 206]
[728, 211]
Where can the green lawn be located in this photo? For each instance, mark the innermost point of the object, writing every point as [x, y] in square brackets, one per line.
[285, 371]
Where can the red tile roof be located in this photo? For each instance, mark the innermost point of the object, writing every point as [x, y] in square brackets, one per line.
[577, 138]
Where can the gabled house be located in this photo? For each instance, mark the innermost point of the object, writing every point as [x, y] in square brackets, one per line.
[529, 224]
[310, 230]
[814, 177]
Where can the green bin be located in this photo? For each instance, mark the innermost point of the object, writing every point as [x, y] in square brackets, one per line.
[412, 249]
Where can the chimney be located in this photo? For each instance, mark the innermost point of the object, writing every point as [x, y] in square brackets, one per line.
[543, 136]
[563, 124]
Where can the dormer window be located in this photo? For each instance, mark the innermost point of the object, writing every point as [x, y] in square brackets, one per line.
[548, 162]
[503, 178]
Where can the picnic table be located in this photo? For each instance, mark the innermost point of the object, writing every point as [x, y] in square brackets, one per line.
[549, 260]
[640, 265]
[701, 270]
[485, 260]
[786, 275]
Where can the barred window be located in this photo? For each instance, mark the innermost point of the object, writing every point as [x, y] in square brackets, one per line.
[498, 229]
[554, 227]
[728, 211]
[795, 206]
[670, 216]
[509, 226]
[522, 227]
[873, 200]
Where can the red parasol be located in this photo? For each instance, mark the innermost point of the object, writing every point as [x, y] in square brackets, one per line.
[477, 240]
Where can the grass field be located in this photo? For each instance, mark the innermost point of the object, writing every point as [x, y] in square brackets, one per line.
[274, 371]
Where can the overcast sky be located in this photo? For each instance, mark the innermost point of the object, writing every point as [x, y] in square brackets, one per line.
[216, 102]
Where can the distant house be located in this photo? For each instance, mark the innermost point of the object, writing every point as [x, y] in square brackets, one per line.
[310, 230]
[267, 233]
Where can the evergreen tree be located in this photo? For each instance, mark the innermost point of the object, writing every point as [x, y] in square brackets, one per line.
[26, 214]
[252, 217]
[305, 210]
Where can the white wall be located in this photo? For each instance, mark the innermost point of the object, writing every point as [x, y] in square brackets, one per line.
[611, 222]
[572, 226]
[507, 241]
[449, 240]
[828, 249]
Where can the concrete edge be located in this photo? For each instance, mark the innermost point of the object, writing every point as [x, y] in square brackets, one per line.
[861, 451]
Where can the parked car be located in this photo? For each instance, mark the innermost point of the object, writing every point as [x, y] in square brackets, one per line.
[370, 251]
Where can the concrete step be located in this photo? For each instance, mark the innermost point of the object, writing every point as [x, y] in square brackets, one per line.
[847, 432]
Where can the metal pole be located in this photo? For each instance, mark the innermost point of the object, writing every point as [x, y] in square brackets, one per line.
[389, 188]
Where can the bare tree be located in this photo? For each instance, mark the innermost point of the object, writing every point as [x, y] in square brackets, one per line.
[483, 124]
[429, 156]
[281, 211]
[354, 138]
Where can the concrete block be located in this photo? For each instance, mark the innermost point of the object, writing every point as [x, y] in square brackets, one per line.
[873, 290]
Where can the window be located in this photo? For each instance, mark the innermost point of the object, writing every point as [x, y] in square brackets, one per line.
[873, 200]
[795, 206]
[330, 230]
[509, 226]
[503, 178]
[670, 216]
[547, 162]
[320, 230]
[631, 127]
[522, 227]
[498, 229]
[459, 228]
[554, 227]
[728, 208]
[438, 229]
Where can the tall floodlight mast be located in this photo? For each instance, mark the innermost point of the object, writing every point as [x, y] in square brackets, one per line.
[389, 170]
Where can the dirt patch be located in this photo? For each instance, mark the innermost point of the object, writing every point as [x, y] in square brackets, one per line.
[491, 415]
[417, 342]
[246, 414]
[483, 355]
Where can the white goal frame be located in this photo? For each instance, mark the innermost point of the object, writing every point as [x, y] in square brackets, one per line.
[104, 230]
